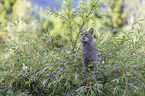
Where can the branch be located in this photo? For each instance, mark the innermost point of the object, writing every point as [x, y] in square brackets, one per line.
[89, 13]
[84, 23]
[125, 80]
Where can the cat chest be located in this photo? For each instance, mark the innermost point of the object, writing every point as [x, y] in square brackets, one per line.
[89, 54]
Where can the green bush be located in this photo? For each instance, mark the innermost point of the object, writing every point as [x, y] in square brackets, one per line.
[32, 69]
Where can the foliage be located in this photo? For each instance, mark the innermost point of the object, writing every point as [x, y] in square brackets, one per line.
[5, 9]
[31, 69]
[34, 63]
[113, 16]
[134, 10]
[116, 15]
[14, 12]
[74, 19]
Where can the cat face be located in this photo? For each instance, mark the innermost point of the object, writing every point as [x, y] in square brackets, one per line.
[86, 36]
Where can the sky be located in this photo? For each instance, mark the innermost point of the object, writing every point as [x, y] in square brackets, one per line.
[48, 3]
[52, 3]
[43, 3]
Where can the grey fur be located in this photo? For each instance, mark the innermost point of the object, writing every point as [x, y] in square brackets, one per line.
[88, 47]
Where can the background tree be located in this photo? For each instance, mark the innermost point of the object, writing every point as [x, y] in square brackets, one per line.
[5, 14]
[113, 16]
[135, 12]
[5, 11]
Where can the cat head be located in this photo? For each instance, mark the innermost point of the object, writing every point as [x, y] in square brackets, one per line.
[86, 36]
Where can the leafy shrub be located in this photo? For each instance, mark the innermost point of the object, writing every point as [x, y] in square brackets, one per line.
[33, 70]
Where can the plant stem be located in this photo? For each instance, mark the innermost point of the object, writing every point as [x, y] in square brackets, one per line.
[76, 39]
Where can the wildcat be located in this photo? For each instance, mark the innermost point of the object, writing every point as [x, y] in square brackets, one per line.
[89, 48]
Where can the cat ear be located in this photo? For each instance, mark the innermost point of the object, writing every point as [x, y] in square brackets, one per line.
[91, 31]
[81, 30]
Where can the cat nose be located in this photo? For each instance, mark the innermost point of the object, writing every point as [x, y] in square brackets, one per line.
[83, 38]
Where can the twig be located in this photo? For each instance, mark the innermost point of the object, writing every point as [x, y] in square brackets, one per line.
[125, 79]
[84, 23]
[140, 54]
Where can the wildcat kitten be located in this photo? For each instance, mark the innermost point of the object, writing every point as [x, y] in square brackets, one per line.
[88, 47]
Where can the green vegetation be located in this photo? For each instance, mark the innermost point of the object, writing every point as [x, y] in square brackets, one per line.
[116, 15]
[36, 60]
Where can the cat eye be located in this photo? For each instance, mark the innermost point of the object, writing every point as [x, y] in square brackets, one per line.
[81, 34]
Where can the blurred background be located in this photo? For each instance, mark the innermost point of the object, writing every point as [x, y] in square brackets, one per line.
[23, 18]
